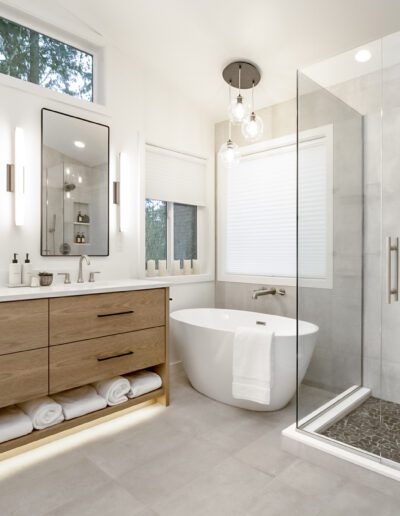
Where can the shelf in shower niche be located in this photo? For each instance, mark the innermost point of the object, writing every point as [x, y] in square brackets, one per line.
[81, 223]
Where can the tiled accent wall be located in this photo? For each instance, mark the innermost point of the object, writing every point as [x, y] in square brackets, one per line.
[336, 363]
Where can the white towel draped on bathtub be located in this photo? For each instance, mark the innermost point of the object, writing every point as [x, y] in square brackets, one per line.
[13, 423]
[80, 401]
[114, 390]
[252, 364]
[143, 382]
[43, 412]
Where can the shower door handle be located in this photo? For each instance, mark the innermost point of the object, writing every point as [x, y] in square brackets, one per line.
[392, 290]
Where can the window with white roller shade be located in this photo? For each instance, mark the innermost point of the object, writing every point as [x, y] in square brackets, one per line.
[257, 213]
[175, 211]
[175, 177]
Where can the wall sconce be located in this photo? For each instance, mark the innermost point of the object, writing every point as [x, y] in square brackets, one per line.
[120, 191]
[15, 177]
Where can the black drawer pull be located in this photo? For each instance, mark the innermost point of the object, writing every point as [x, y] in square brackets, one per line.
[116, 313]
[115, 356]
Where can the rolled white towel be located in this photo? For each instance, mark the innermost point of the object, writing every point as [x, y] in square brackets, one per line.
[13, 423]
[114, 390]
[80, 401]
[143, 382]
[43, 412]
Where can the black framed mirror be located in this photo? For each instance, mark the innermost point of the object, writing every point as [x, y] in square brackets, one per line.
[75, 186]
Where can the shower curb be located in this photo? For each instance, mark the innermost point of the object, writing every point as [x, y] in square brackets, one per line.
[342, 460]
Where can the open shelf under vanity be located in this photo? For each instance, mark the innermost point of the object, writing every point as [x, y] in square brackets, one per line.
[38, 435]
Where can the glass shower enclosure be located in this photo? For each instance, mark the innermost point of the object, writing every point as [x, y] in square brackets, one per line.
[348, 263]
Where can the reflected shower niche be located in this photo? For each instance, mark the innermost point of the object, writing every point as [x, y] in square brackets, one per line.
[75, 186]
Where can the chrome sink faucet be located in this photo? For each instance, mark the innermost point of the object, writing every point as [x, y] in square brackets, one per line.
[86, 258]
[264, 291]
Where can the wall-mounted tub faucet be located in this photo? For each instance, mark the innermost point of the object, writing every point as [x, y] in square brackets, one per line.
[264, 291]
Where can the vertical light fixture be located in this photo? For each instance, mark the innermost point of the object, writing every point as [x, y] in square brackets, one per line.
[19, 179]
[123, 190]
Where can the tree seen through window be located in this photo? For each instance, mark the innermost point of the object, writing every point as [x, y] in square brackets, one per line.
[40, 59]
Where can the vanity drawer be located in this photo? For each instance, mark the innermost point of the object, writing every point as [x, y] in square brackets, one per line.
[80, 363]
[98, 315]
[23, 325]
[23, 376]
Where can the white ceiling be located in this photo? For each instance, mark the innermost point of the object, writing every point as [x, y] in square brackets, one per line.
[188, 42]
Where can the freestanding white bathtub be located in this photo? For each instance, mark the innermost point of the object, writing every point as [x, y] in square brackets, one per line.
[205, 340]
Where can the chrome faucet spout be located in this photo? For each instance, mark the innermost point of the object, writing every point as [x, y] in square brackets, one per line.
[264, 291]
[80, 274]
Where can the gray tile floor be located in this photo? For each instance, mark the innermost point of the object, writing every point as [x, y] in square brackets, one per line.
[197, 457]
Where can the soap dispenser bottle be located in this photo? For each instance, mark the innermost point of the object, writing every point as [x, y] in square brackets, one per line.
[27, 271]
[14, 272]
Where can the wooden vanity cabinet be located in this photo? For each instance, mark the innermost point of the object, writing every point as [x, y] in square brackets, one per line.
[23, 325]
[23, 376]
[87, 361]
[51, 345]
[23, 350]
[98, 315]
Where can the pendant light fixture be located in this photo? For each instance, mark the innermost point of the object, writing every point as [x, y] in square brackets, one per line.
[229, 151]
[252, 126]
[238, 108]
[241, 75]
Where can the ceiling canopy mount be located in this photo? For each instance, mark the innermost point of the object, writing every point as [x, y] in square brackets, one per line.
[249, 74]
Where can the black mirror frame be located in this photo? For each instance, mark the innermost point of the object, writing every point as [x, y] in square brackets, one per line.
[41, 185]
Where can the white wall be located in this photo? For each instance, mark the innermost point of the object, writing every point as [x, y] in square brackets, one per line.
[138, 108]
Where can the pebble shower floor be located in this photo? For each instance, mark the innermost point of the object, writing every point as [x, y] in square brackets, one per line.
[374, 426]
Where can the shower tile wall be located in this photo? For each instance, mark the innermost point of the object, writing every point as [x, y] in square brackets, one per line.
[381, 184]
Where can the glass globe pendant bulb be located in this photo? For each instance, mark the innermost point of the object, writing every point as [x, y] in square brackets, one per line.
[252, 128]
[229, 154]
[238, 110]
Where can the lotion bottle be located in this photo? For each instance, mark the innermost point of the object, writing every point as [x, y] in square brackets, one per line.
[27, 271]
[14, 272]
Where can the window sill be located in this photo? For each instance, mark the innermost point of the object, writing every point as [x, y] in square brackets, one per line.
[62, 98]
[183, 279]
[256, 280]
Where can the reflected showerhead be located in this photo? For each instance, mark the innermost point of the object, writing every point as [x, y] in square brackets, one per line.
[69, 186]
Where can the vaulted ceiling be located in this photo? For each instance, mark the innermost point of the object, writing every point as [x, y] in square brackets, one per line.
[188, 42]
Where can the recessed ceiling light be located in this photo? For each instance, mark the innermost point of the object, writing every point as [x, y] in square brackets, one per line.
[79, 144]
[363, 55]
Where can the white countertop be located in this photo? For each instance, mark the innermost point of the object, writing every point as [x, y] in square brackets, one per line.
[77, 289]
